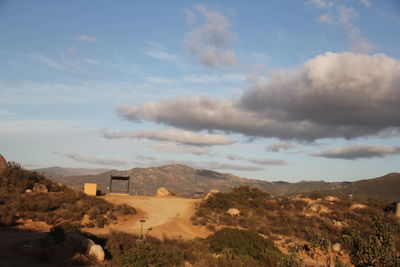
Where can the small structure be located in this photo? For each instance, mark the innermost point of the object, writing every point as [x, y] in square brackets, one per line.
[90, 189]
[397, 214]
[120, 178]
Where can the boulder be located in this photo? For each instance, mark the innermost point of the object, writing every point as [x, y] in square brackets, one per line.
[164, 192]
[78, 242]
[3, 163]
[210, 193]
[233, 212]
[28, 191]
[96, 252]
[337, 247]
[39, 188]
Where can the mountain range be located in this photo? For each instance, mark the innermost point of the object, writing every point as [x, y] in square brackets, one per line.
[189, 182]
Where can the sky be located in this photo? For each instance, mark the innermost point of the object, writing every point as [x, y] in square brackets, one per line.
[272, 90]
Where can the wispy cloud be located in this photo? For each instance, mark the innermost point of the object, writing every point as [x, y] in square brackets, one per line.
[210, 42]
[5, 113]
[97, 160]
[179, 148]
[215, 78]
[87, 92]
[190, 16]
[44, 126]
[260, 161]
[40, 58]
[172, 135]
[356, 152]
[160, 52]
[88, 38]
[281, 145]
[339, 14]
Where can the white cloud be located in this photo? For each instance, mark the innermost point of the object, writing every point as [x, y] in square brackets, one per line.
[88, 38]
[210, 41]
[172, 135]
[356, 152]
[331, 96]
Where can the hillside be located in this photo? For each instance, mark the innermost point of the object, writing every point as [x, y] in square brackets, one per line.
[189, 182]
[385, 187]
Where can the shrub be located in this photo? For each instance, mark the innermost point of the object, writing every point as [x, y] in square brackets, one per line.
[130, 250]
[379, 249]
[244, 243]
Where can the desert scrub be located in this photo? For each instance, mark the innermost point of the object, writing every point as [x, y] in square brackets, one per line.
[60, 205]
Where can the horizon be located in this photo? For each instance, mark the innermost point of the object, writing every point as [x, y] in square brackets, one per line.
[271, 91]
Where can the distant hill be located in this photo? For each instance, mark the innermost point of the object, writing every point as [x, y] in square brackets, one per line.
[386, 187]
[60, 171]
[188, 182]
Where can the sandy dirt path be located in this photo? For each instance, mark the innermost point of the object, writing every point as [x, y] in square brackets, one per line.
[166, 216]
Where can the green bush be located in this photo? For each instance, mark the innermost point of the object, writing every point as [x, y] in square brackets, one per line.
[231, 241]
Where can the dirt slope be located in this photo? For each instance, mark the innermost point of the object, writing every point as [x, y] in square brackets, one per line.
[169, 216]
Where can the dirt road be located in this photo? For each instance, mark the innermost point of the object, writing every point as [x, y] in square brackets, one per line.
[169, 216]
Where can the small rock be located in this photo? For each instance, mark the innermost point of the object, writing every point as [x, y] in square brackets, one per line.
[233, 211]
[39, 188]
[357, 206]
[164, 192]
[96, 252]
[319, 208]
[332, 199]
[337, 247]
[28, 191]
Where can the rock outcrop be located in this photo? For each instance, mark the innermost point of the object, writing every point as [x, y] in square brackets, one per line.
[164, 192]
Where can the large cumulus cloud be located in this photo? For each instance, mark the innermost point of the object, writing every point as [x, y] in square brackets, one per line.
[332, 95]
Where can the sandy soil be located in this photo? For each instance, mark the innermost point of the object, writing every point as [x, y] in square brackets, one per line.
[166, 216]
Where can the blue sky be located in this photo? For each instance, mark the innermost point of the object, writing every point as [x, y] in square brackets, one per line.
[274, 90]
